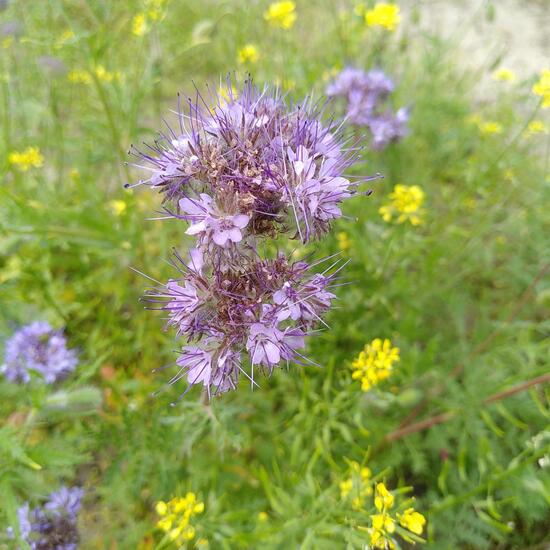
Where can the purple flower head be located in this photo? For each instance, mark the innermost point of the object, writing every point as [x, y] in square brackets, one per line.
[65, 501]
[225, 169]
[53, 525]
[239, 168]
[38, 348]
[388, 128]
[366, 94]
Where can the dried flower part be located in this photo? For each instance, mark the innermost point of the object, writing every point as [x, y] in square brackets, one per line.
[38, 348]
[54, 524]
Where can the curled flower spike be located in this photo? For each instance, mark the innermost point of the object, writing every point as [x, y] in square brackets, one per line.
[242, 167]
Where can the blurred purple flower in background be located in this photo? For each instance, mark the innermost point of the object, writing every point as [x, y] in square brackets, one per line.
[366, 94]
[38, 348]
[53, 525]
[240, 169]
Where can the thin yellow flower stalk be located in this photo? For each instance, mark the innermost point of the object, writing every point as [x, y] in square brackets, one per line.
[383, 15]
[375, 363]
[357, 487]
[542, 88]
[405, 205]
[281, 14]
[31, 157]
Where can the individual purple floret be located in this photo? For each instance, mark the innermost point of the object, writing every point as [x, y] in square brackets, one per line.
[366, 93]
[240, 170]
[53, 525]
[38, 348]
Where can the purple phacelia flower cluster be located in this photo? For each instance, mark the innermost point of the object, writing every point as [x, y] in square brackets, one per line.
[366, 94]
[38, 348]
[54, 524]
[239, 170]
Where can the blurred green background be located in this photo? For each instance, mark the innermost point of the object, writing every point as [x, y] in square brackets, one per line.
[465, 295]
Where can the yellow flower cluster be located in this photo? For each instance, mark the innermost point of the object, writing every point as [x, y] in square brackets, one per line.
[375, 363]
[79, 77]
[405, 204]
[175, 515]
[383, 15]
[248, 54]
[85, 77]
[485, 127]
[154, 11]
[490, 127]
[357, 486]
[542, 87]
[281, 14]
[504, 75]
[536, 127]
[31, 157]
[383, 524]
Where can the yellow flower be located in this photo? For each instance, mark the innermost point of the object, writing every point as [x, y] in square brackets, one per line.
[504, 75]
[383, 522]
[383, 15]
[7, 42]
[412, 520]
[118, 207]
[175, 516]
[139, 24]
[345, 487]
[79, 77]
[542, 87]
[344, 242]
[281, 14]
[263, 517]
[406, 202]
[378, 539]
[383, 499]
[248, 54]
[536, 127]
[106, 76]
[490, 127]
[375, 363]
[31, 157]
[65, 37]
[155, 9]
